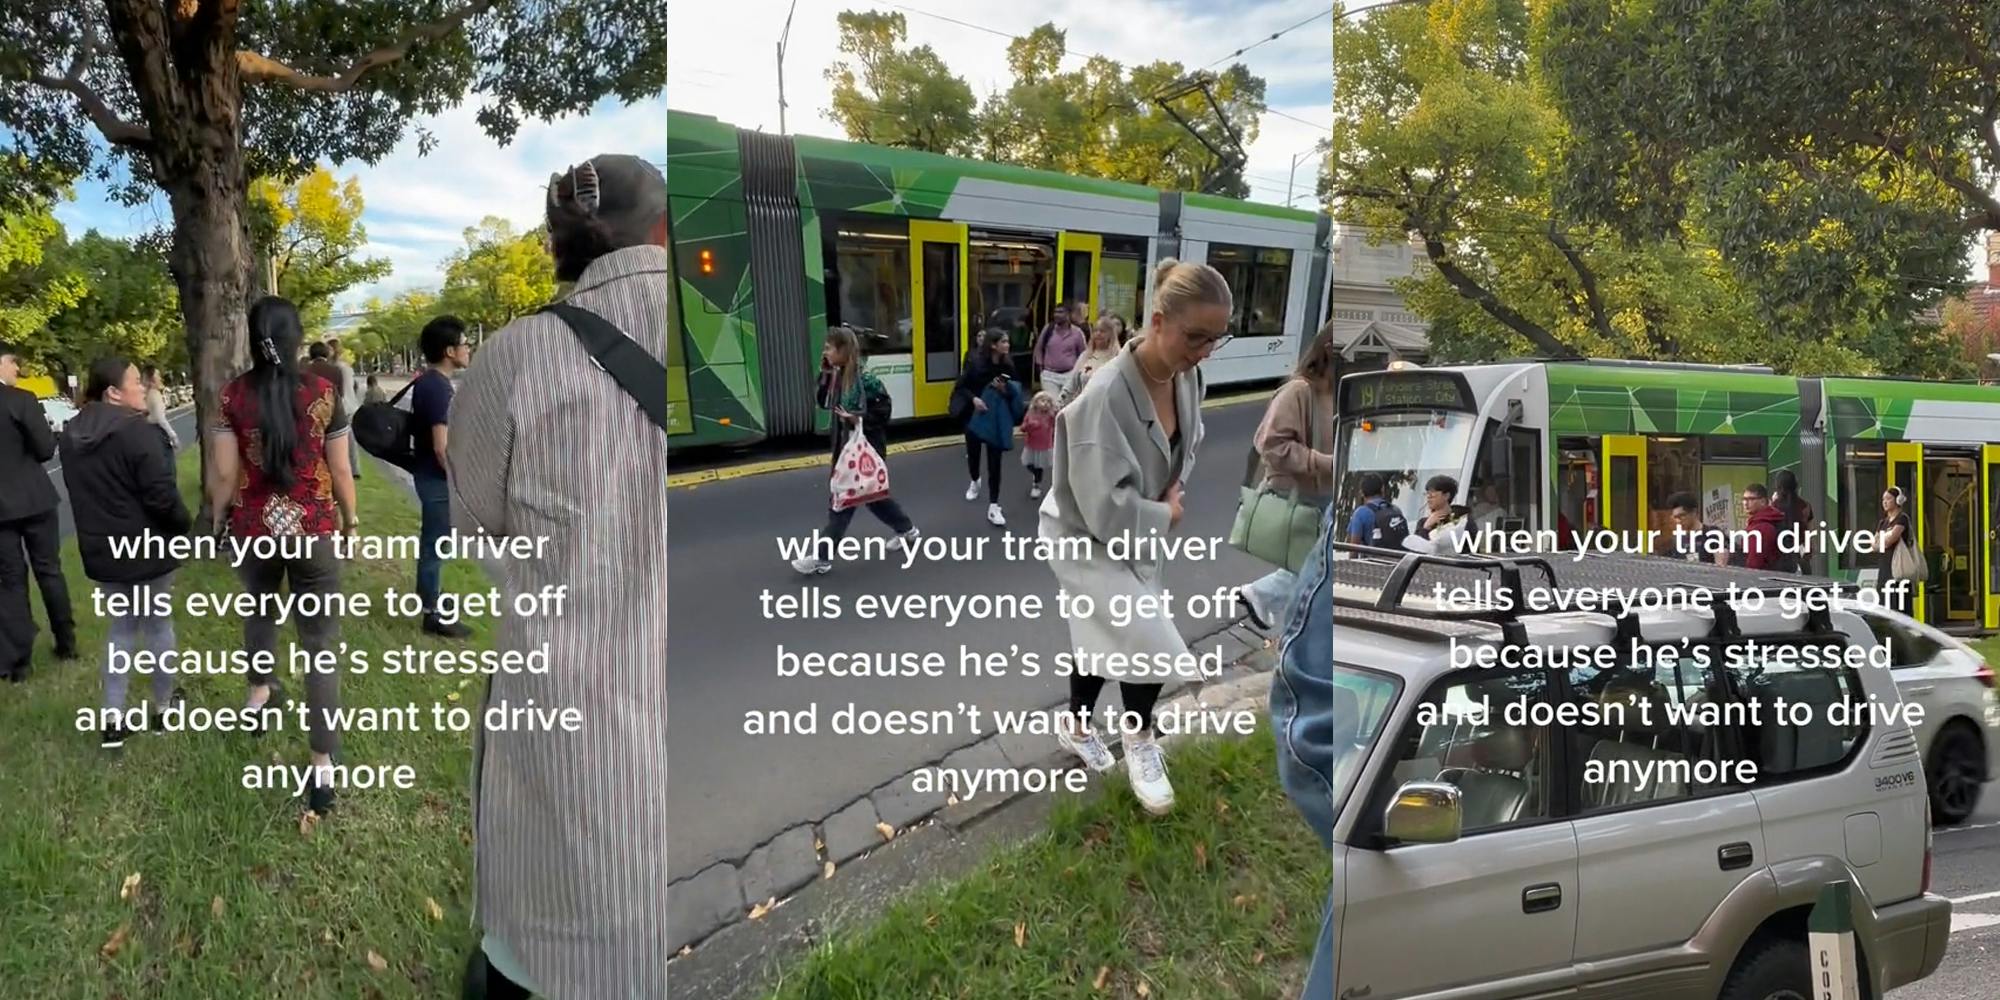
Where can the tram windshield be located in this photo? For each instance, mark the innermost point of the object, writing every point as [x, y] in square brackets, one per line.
[1406, 449]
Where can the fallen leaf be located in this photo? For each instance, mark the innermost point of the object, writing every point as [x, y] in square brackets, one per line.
[1243, 901]
[818, 845]
[686, 950]
[951, 800]
[1201, 856]
[215, 907]
[308, 822]
[377, 962]
[130, 888]
[930, 920]
[757, 912]
[117, 941]
[1257, 959]
[1103, 974]
[326, 935]
[1221, 807]
[1020, 935]
[1226, 776]
[451, 696]
[432, 908]
[829, 870]
[1144, 990]
[1069, 872]
[463, 683]
[888, 832]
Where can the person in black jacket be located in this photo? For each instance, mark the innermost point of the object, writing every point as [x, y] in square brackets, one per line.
[28, 522]
[127, 507]
[857, 399]
[984, 365]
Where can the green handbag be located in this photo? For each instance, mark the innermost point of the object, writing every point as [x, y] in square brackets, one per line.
[1278, 528]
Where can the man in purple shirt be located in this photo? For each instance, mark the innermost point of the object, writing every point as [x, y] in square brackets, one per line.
[1056, 351]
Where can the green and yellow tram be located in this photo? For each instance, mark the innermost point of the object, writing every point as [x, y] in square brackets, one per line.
[774, 238]
[1564, 446]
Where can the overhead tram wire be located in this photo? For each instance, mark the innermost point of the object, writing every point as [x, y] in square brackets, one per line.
[1272, 38]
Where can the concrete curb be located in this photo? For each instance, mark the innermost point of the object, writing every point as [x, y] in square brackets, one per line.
[724, 894]
[698, 477]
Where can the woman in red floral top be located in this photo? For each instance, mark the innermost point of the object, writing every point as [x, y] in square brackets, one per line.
[280, 472]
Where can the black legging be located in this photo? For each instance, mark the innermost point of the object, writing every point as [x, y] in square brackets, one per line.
[1138, 698]
[993, 456]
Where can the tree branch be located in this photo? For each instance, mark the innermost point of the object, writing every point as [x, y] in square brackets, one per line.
[1588, 277]
[258, 68]
[117, 131]
[1472, 290]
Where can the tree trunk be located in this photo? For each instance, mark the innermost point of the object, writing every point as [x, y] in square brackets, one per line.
[181, 60]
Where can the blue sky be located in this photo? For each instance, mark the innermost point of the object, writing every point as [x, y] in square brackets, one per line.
[417, 207]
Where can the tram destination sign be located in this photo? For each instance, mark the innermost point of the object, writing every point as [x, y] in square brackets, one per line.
[1404, 390]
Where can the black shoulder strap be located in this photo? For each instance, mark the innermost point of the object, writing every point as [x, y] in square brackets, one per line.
[404, 391]
[643, 378]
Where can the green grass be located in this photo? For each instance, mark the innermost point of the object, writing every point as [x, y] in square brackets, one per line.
[1221, 899]
[298, 914]
[1989, 648]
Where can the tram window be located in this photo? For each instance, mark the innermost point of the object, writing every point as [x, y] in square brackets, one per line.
[1508, 498]
[1862, 479]
[941, 312]
[870, 290]
[1076, 281]
[1725, 448]
[1260, 281]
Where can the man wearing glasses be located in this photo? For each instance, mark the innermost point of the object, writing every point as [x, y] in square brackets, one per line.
[444, 346]
[1760, 546]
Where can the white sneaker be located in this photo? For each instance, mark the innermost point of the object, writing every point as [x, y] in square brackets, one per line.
[1036, 493]
[1095, 754]
[995, 516]
[972, 492]
[1146, 764]
[909, 540]
[808, 566]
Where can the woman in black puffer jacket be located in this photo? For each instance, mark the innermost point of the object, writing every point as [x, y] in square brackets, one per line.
[127, 505]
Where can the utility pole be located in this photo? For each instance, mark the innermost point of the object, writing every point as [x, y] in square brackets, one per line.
[783, 37]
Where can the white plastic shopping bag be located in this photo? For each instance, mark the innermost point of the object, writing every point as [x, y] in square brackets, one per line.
[859, 476]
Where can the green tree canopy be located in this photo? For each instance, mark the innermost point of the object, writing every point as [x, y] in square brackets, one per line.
[891, 96]
[35, 284]
[129, 306]
[498, 275]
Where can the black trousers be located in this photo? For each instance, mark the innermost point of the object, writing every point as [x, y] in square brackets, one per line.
[886, 510]
[32, 545]
[484, 982]
[1139, 699]
[993, 457]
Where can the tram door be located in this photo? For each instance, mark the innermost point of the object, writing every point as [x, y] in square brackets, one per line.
[1989, 525]
[1953, 497]
[1077, 259]
[1623, 489]
[1906, 463]
[938, 254]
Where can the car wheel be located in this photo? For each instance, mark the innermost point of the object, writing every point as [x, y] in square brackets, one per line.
[1774, 969]
[1955, 771]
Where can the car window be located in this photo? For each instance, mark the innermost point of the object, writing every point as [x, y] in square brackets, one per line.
[1907, 646]
[1651, 730]
[1465, 734]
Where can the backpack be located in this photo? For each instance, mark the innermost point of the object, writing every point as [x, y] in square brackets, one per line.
[383, 430]
[1391, 528]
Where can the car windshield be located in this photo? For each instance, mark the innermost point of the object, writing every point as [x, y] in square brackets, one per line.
[1406, 450]
[1361, 703]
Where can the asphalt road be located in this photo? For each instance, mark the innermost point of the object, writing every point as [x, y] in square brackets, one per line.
[1965, 867]
[183, 424]
[731, 792]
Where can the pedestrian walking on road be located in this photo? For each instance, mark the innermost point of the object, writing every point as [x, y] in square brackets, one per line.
[1104, 345]
[1122, 454]
[1062, 342]
[1001, 408]
[1038, 439]
[123, 495]
[444, 345]
[278, 468]
[989, 367]
[572, 827]
[156, 408]
[1295, 443]
[858, 400]
[30, 534]
[350, 399]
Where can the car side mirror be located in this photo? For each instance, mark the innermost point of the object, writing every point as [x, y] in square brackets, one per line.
[1424, 812]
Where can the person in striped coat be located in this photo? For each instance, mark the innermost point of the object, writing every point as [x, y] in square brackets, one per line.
[571, 862]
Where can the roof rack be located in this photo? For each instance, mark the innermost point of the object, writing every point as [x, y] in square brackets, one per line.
[1509, 596]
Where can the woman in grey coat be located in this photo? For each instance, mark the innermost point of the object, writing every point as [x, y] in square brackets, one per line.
[1122, 450]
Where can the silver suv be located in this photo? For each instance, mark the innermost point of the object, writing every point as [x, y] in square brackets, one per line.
[1578, 821]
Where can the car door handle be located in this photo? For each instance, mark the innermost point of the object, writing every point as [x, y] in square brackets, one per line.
[1733, 856]
[1541, 898]
[1921, 689]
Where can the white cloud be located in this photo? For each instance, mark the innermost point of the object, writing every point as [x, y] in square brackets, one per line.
[722, 59]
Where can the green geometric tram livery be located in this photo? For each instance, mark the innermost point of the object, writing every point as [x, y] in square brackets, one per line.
[775, 238]
[1569, 445]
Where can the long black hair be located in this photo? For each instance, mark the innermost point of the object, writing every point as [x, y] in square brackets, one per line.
[273, 379]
